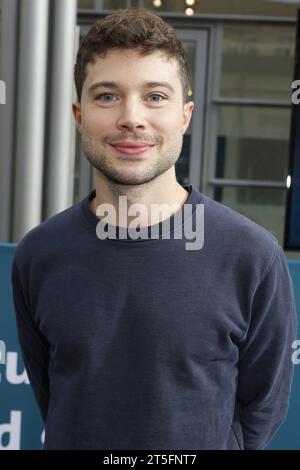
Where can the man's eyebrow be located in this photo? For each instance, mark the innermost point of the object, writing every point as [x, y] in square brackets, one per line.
[114, 85]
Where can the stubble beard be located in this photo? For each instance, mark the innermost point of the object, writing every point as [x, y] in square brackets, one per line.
[99, 159]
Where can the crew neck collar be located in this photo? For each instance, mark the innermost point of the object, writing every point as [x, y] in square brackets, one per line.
[194, 197]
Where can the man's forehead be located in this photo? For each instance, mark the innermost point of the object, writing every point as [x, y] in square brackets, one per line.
[133, 54]
[110, 68]
[132, 59]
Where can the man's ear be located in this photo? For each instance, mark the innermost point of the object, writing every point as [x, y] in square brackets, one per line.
[187, 115]
[77, 114]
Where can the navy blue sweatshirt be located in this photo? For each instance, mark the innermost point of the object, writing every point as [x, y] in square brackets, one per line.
[143, 344]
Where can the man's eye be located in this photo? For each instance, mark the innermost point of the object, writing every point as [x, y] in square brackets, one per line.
[103, 97]
[109, 97]
[157, 95]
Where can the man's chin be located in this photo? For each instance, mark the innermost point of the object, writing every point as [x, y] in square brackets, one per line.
[124, 179]
[126, 175]
[129, 180]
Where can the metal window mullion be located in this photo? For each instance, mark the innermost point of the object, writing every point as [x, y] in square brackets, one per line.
[251, 102]
[98, 5]
[197, 123]
[196, 21]
[211, 125]
[247, 183]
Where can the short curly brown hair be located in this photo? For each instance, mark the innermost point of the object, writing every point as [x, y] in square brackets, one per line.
[131, 29]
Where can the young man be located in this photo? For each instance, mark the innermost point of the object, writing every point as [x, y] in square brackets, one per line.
[136, 342]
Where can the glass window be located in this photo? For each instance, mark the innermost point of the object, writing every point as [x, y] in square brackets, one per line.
[114, 4]
[265, 206]
[257, 62]
[214, 7]
[227, 7]
[85, 4]
[253, 143]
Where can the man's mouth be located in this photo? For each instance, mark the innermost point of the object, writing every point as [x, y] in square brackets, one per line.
[131, 148]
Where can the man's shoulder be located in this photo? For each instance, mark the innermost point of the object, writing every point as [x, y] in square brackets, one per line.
[236, 233]
[49, 236]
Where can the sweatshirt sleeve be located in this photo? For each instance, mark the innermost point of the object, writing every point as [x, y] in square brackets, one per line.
[34, 347]
[265, 364]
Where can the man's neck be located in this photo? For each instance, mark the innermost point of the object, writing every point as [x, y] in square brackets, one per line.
[157, 199]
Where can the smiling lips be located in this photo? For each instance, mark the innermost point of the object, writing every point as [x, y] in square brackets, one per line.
[131, 148]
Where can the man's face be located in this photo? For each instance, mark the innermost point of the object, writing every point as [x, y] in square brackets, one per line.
[141, 105]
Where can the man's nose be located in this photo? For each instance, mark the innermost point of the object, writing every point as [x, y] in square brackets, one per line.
[131, 116]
